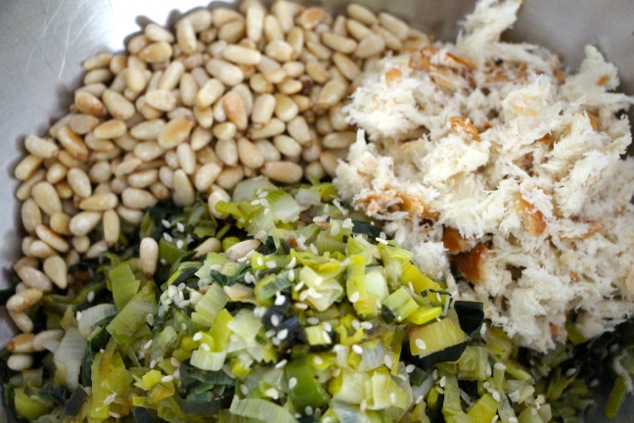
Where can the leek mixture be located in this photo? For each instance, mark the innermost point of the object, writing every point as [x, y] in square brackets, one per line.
[326, 320]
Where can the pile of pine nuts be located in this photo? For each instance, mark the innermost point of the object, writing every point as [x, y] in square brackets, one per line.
[226, 95]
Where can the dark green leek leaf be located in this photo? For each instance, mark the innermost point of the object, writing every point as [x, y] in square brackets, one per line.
[470, 315]
[75, 402]
[365, 228]
[225, 280]
[452, 353]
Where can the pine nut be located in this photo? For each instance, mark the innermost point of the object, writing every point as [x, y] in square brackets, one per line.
[186, 36]
[166, 176]
[19, 362]
[311, 17]
[175, 132]
[148, 151]
[332, 93]
[41, 250]
[73, 143]
[148, 130]
[303, 103]
[139, 199]
[284, 15]
[280, 50]
[118, 106]
[369, 46]
[263, 108]
[186, 158]
[259, 84]
[188, 89]
[68, 160]
[312, 152]
[46, 198]
[235, 110]
[25, 261]
[346, 66]
[22, 321]
[249, 155]
[99, 202]
[24, 190]
[22, 343]
[27, 167]
[162, 100]
[295, 39]
[394, 25]
[285, 108]
[143, 179]
[231, 33]
[272, 29]
[287, 145]
[200, 138]
[60, 223]
[329, 162]
[129, 215]
[81, 244]
[206, 175]
[183, 194]
[89, 103]
[224, 71]
[270, 129]
[34, 279]
[223, 15]
[127, 166]
[148, 256]
[55, 268]
[23, 300]
[338, 43]
[227, 151]
[126, 142]
[339, 139]
[210, 91]
[156, 52]
[229, 177]
[82, 124]
[217, 195]
[79, 182]
[241, 55]
[171, 159]
[64, 190]
[135, 81]
[41, 338]
[111, 227]
[27, 241]
[391, 41]
[242, 248]
[361, 14]
[255, 19]
[97, 61]
[160, 191]
[283, 171]
[323, 125]
[96, 76]
[56, 173]
[204, 116]
[96, 249]
[31, 215]
[268, 150]
[290, 86]
[210, 245]
[298, 129]
[51, 238]
[40, 147]
[224, 131]
[155, 32]
[314, 170]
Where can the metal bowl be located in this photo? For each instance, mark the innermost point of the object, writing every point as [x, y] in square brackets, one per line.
[42, 43]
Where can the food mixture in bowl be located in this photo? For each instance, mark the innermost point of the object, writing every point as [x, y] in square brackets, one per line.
[188, 258]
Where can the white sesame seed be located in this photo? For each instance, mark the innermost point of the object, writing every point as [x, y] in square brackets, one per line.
[271, 264]
[152, 364]
[571, 372]
[259, 261]
[292, 382]
[419, 399]
[393, 398]
[174, 362]
[496, 396]
[308, 410]
[114, 415]
[354, 297]
[167, 379]
[291, 277]
[78, 316]
[150, 319]
[244, 389]
[442, 382]
[364, 405]
[282, 335]
[270, 333]
[303, 296]
[366, 325]
[300, 306]
[421, 344]
[272, 393]
[327, 326]
[198, 336]
[387, 360]
[281, 364]
[313, 249]
[410, 368]
[356, 325]
[279, 299]
[357, 349]
[291, 264]
[147, 345]
[312, 321]
[499, 366]
[318, 360]
[166, 223]
[382, 241]
[180, 244]
[91, 296]
[275, 320]
[167, 237]
[495, 418]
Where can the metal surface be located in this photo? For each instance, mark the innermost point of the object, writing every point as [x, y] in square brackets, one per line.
[42, 43]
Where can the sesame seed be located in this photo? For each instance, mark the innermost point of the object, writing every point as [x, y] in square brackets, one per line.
[327, 326]
[205, 347]
[91, 296]
[495, 418]
[393, 398]
[292, 382]
[364, 405]
[180, 227]
[303, 296]
[272, 393]
[499, 366]
[318, 360]
[147, 345]
[571, 371]
[313, 249]
[382, 241]
[198, 336]
[366, 325]
[281, 364]
[180, 244]
[270, 333]
[410, 368]
[300, 306]
[279, 299]
[174, 362]
[291, 276]
[291, 264]
[275, 320]
[387, 360]
[308, 410]
[167, 379]
[312, 321]
[421, 344]
[271, 264]
[244, 389]
[282, 335]
[152, 364]
[442, 382]
[356, 325]
[166, 223]
[259, 261]
[114, 415]
[357, 349]
[419, 399]
[347, 223]
[78, 316]
[167, 237]
[496, 396]
[354, 297]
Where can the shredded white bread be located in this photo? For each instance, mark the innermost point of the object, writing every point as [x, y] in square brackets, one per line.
[495, 166]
